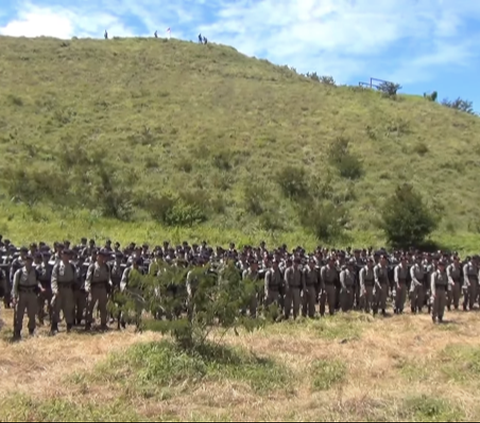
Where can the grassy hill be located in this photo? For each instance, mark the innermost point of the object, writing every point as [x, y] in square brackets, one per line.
[145, 139]
[349, 368]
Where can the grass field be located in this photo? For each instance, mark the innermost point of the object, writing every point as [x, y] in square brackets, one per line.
[346, 368]
[144, 139]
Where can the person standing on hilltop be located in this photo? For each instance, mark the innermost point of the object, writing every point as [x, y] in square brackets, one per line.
[106, 35]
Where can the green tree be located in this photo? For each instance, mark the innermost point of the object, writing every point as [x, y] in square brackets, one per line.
[215, 300]
[406, 219]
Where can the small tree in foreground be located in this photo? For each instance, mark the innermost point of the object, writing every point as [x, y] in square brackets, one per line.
[406, 219]
[190, 311]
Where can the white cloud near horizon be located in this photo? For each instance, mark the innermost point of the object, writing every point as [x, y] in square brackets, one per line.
[407, 40]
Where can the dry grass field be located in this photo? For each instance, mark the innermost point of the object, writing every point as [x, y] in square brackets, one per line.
[346, 368]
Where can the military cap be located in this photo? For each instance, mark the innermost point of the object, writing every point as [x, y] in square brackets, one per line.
[33, 245]
[84, 240]
[92, 241]
[24, 250]
[108, 241]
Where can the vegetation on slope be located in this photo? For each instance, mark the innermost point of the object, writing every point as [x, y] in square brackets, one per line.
[170, 138]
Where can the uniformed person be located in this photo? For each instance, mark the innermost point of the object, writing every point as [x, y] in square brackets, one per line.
[24, 296]
[417, 292]
[251, 274]
[97, 284]
[367, 285]
[311, 291]
[347, 281]
[438, 288]
[329, 276]
[294, 283]
[454, 273]
[400, 285]
[273, 283]
[382, 285]
[64, 279]
[128, 285]
[470, 283]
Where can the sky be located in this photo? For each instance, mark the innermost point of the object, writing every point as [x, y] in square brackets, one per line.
[424, 45]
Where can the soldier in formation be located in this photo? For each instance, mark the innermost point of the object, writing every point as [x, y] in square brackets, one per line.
[68, 282]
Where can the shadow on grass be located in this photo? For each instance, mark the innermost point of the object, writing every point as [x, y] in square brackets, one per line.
[152, 369]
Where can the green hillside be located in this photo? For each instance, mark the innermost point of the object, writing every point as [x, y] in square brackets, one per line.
[145, 138]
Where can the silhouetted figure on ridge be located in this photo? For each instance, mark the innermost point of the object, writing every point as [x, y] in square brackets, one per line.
[156, 34]
[106, 35]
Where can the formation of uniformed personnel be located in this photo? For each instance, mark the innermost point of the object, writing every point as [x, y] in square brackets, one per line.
[64, 282]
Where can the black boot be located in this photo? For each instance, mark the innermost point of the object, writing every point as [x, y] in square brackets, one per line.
[69, 328]
[54, 329]
[413, 310]
[31, 332]
[88, 327]
[17, 335]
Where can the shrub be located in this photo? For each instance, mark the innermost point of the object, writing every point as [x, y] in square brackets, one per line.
[294, 182]
[431, 97]
[390, 89]
[406, 219]
[324, 219]
[348, 165]
[217, 300]
[460, 104]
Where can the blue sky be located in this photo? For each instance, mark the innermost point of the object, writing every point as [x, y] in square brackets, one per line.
[424, 45]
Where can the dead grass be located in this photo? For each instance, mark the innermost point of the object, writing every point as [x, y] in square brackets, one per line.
[394, 369]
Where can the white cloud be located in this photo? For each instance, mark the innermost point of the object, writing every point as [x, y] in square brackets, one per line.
[38, 21]
[404, 39]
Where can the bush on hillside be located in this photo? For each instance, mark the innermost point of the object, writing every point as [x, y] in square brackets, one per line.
[328, 80]
[325, 220]
[348, 165]
[431, 97]
[182, 209]
[459, 104]
[293, 181]
[406, 219]
[390, 89]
